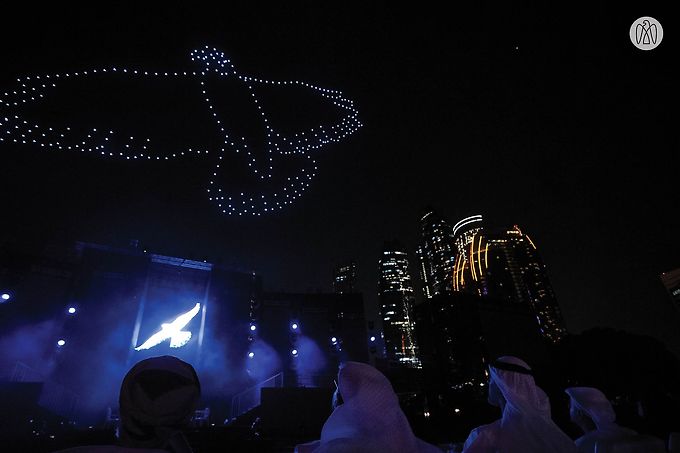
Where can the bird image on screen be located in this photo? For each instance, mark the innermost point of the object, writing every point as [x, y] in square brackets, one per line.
[172, 331]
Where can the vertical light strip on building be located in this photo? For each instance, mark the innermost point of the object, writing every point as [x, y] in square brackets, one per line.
[530, 241]
[472, 258]
[479, 255]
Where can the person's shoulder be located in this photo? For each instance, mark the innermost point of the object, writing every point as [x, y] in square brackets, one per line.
[487, 430]
[424, 447]
[307, 447]
[485, 435]
[588, 440]
[108, 449]
[92, 449]
[586, 443]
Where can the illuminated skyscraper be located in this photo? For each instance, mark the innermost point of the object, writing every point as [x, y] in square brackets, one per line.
[345, 278]
[671, 280]
[464, 231]
[436, 254]
[396, 300]
[505, 265]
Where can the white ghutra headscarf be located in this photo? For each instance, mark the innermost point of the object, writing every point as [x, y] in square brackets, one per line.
[526, 425]
[369, 418]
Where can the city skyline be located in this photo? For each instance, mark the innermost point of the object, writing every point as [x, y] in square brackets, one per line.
[508, 112]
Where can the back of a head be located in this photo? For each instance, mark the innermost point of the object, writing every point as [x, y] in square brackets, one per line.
[157, 399]
[514, 378]
[367, 399]
[526, 425]
[594, 404]
[369, 418]
[357, 379]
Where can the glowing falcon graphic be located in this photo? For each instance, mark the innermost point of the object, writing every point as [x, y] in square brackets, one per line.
[173, 331]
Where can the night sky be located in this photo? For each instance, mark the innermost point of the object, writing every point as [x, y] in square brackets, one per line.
[545, 118]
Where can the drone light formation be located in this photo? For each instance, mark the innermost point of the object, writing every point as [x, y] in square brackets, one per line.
[260, 163]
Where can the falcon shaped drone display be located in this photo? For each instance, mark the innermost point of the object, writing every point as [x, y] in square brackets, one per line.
[172, 331]
[278, 165]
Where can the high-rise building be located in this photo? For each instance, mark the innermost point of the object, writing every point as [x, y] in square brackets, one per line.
[464, 333]
[396, 300]
[345, 278]
[436, 254]
[464, 231]
[671, 280]
[505, 265]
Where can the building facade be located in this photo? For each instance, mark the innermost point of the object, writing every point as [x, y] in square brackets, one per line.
[671, 281]
[505, 265]
[436, 254]
[396, 300]
[463, 334]
[345, 278]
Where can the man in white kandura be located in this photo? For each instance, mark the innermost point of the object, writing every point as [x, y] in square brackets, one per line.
[525, 426]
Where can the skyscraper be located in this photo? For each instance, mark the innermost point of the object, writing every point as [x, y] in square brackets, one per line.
[464, 231]
[506, 265]
[464, 333]
[396, 300]
[345, 278]
[436, 254]
[671, 280]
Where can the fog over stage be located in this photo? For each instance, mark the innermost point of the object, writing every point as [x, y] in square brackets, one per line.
[111, 308]
[79, 317]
